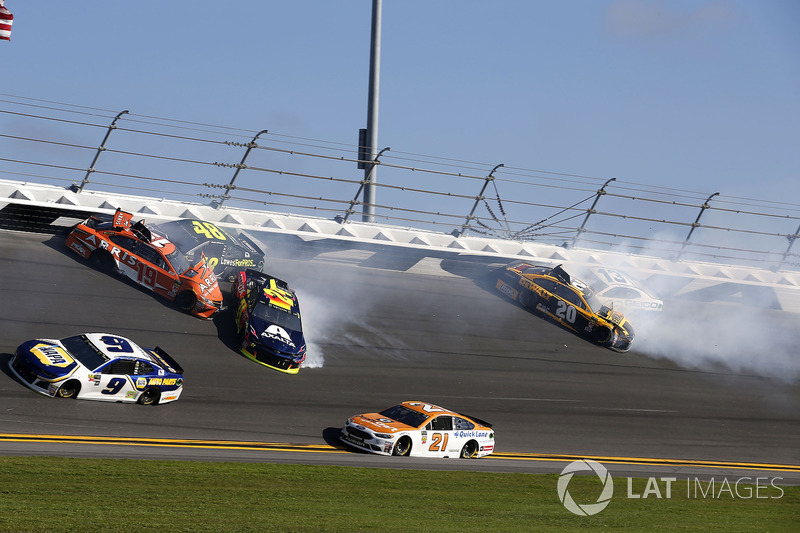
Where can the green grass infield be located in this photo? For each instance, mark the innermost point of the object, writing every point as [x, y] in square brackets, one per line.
[58, 494]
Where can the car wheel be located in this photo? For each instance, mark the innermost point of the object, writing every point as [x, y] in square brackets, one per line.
[526, 299]
[149, 397]
[601, 335]
[69, 389]
[403, 447]
[186, 300]
[469, 450]
[102, 261]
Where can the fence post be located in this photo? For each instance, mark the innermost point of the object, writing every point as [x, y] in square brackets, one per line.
[695, 224]
[487, 180]
[590, 211]
[100, 149]
[252, 144]
[364, 182]
[791, 238]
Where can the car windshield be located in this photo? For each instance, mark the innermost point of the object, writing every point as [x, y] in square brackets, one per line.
[84, 351]
[592, 300]
[178, 234]
[404, 415]
[277, 316]
[178, 261]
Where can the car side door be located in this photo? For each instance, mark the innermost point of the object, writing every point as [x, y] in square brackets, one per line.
[153, 271]
[440, 435]
[112, 381]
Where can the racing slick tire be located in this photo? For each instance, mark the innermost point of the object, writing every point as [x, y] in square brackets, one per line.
[150, 396]
[102, 261]
[70, 389]
[470, 450]
[527, 300]
[403, 447]
[601, 335]
[186, 300]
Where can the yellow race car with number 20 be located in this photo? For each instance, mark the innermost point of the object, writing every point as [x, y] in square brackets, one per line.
[567, 301]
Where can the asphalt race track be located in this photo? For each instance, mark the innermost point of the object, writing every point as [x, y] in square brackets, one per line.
[378, 337]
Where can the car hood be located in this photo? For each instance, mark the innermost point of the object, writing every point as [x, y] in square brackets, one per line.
[48, 357]
[277, 337]
[204, 277]
[381, 424]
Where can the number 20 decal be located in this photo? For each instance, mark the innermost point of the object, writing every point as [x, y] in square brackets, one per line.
[114, 386]
[566, 312]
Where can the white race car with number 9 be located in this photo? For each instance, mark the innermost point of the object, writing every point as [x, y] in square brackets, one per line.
[98, 366]
[419, 429]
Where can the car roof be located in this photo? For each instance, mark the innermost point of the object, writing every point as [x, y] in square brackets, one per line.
[427, 408]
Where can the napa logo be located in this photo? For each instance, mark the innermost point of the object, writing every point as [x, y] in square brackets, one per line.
[52, 355]
[585, 509]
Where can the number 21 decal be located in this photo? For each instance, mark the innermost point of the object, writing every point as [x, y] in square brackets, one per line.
[438, 442]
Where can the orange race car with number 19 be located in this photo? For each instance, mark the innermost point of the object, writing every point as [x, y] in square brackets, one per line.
[115, 246]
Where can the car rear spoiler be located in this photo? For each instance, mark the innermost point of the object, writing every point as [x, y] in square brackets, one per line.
[263, 277]
[168, 360]
[251, 243]
[479, 421]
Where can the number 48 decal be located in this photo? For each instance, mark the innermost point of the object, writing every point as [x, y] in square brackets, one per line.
[209, 230]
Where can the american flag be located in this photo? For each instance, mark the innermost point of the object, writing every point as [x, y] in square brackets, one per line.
[6, 19]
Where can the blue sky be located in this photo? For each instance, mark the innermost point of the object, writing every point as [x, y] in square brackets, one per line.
[696, 95]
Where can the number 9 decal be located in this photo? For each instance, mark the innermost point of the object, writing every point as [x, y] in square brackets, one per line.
[116, 344]
[114, 386]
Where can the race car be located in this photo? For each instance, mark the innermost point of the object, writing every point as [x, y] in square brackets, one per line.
[227, 254]
[98, 366]
[138, 252]
[419, 429]
[552, 292]
[267, 316]
[615, 289]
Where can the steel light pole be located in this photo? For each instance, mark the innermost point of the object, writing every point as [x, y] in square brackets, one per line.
[370, 171]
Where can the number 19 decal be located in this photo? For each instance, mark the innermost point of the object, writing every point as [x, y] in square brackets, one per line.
[438, 442]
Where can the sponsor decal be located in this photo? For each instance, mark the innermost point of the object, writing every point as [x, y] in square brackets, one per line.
[141, 383]
[130, 394]
[163, 381]
[508, 290]
[278, 333]
[238, 262]
[52, 355]
[467, 434]
[78, 247]
[379, 422]
[167, 398]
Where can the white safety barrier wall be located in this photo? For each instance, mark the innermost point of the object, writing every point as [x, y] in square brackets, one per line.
[30, 206]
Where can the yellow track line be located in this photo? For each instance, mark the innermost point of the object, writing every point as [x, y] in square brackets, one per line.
[324, 448]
